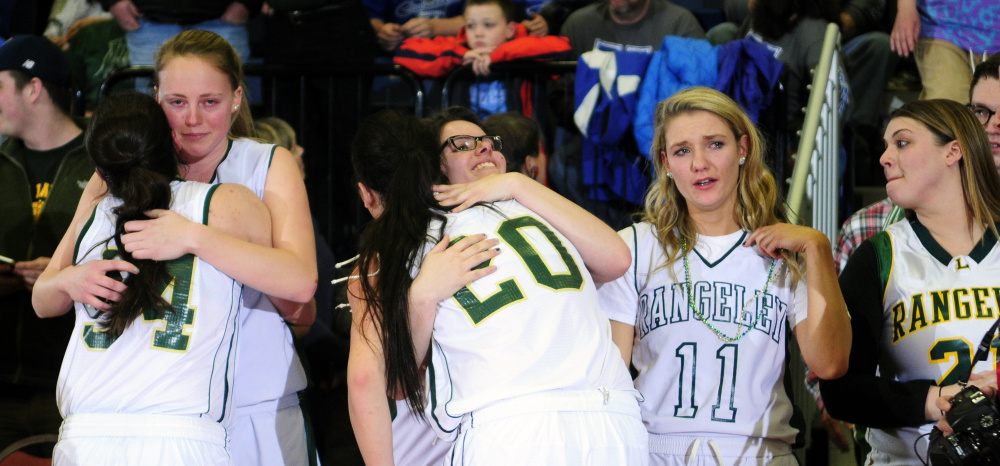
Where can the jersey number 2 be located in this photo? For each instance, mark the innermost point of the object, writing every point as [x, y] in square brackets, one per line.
[510, 292]
[942, 351]
[172, 336]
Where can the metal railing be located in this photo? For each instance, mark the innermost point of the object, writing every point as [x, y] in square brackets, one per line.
[813, 190]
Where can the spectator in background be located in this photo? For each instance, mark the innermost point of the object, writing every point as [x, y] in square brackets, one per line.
[545, 17]
[794, 31]
[628, 25]
[95, 51]
[611, 25]
[70, 16]
[490, 34]
[947, 38]
[150, 23]
[868, 61]
[43, 170]
[395, 20]
[522, 146]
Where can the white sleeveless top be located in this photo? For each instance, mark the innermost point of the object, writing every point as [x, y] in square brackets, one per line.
[268, 367]
[533, 325]
[692, 381]
[180, 363]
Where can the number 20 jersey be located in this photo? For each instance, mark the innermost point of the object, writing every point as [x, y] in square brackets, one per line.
[181, 363]
[692, 381]
[533, 325]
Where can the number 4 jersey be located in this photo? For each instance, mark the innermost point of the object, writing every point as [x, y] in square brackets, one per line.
[692, 381]
[533, 325]
[180, 363]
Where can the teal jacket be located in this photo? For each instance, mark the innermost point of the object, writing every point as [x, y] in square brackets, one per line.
[31, 348]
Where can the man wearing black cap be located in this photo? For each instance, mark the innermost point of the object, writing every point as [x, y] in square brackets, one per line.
[43, 170]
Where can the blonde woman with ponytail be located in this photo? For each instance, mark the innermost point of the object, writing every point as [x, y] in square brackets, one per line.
[717, 281]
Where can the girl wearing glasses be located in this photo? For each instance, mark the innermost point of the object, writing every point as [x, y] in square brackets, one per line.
[522, 369]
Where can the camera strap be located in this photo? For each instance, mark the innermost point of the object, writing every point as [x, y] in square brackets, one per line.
[982, 352]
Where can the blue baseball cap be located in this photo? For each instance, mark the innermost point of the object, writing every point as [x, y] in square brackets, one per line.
[36, 56]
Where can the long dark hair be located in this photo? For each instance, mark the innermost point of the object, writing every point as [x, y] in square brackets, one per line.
[130, 143]
[395, 155]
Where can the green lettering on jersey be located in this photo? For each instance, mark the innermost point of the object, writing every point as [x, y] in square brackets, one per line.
[510, 291]
[957, 349]
[511, 232]
[478, 308]
[917, 318]
[979, 295]
[963, 310]
[942, 313]
[172, 337]
[94, 337]
[898, 316]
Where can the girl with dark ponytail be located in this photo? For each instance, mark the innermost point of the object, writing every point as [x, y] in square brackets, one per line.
[137, 165]
[519, 342]
[165, 346]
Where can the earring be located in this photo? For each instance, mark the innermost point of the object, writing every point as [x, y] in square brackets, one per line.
[670, 175]
[742, 160]
[236, 107]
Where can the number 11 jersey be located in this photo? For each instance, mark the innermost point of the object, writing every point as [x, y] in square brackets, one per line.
[694, 382]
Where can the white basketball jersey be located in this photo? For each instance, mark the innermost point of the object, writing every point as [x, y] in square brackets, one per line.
[269, 367]
[936, 310]
[180, 363]
[413, 441]
[692, 381]
[531, 326]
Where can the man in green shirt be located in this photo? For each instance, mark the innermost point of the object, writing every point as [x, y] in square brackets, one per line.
[43, 171]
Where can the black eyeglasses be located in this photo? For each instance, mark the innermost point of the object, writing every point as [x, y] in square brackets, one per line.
[463, 143]
[984, 114]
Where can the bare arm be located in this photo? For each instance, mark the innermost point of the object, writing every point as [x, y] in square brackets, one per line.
[236, 211]
[825, 335]
[444, 271]
[432, 27]
[290, 272]
[623, 335]
[367, 402]
[604, 253]
[62, 283]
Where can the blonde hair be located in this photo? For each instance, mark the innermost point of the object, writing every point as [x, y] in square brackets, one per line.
[274, 130]
[757, 195]
[951, 121]
[215, 51]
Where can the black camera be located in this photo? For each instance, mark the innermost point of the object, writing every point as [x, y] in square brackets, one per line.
[976, 437]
